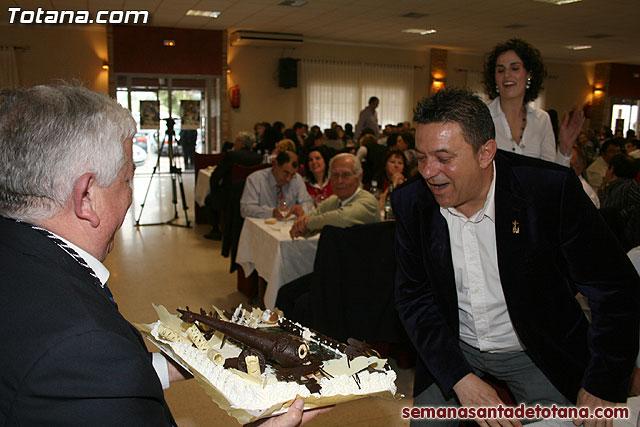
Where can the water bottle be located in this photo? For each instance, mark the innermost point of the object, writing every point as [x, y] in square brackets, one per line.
[388, 212]
[374, 188]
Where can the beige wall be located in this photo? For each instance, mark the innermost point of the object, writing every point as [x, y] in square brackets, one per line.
[59, 53]
[78, 52]
[568, 86]
[255, 70]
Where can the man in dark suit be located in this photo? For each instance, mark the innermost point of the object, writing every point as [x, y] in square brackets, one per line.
[68, 357]
[220, 181]
[491, 250]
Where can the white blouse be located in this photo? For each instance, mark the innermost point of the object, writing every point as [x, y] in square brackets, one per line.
[537, 140]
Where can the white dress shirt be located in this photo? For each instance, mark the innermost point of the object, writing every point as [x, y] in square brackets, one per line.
[484, 320]
[259, 197]
[590, 192]
[537, 140]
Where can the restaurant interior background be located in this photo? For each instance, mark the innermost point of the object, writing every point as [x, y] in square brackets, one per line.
[204, 59]
[172, 266]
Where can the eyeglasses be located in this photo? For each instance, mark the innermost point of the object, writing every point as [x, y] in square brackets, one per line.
[343, 175]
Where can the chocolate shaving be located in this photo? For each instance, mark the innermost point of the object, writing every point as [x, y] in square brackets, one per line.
[231, 362]
[325, 373]
[313, 386]
[357, 348]
[295, 373]
[356, 378]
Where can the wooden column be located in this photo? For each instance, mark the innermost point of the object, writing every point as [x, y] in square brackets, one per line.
[438, 71]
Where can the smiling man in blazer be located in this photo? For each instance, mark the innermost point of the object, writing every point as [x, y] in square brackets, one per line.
[491, 249]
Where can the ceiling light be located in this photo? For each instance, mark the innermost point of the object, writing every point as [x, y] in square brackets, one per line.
[206, 13]
[515, 26]
[414, 15]
[292, 3]
[559, 2]
[578, 46]
[420, 31]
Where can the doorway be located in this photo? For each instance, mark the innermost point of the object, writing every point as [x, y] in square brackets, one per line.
[624, 116]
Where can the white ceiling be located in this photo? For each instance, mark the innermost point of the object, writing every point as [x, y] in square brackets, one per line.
[463, 25]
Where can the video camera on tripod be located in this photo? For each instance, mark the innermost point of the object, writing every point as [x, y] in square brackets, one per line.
[176, 178]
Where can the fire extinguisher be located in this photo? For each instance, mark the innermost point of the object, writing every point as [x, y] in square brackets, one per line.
[234, 96]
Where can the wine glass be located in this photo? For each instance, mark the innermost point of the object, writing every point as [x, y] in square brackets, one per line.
[284, 207]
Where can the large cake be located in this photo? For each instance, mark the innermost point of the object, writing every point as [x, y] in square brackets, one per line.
[254, 364]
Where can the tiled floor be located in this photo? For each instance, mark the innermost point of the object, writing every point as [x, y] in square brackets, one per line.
[176, 266]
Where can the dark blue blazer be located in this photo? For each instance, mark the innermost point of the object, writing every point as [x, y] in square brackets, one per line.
[563, 246]
[67, 356]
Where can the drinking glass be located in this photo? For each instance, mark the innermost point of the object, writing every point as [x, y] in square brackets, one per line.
[284, 207]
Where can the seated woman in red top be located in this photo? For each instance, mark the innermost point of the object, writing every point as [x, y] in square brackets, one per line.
[393, 172]
[317, 177]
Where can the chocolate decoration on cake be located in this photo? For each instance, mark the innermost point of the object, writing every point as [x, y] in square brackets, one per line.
[316, 336]
[357, 348]
[285, 349]
[242, 359]
[231, 362]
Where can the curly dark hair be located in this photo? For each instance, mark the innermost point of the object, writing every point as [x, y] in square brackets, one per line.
[531, 59]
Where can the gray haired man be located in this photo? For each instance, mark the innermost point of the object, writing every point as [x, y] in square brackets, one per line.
[349, 205]
[67, 355]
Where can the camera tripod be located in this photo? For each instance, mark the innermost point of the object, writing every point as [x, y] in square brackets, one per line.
[176, 181]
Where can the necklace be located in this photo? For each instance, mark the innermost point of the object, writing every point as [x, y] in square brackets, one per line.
[518, 139]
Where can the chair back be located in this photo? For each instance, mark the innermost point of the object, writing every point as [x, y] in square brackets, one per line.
[201, 161]
[353, 283]
[239, 172]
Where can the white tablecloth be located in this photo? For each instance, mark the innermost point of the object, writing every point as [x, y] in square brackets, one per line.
[202, 185]
[268, 249]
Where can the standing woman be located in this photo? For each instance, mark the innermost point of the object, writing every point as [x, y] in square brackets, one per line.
[513, 77]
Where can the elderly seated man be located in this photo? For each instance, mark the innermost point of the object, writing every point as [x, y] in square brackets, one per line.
[265, 189]
[349, 205]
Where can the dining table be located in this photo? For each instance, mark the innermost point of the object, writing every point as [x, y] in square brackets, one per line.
[202, 185]
[266, 247]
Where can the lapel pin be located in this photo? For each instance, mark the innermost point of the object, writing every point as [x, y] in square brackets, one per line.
[516, 229]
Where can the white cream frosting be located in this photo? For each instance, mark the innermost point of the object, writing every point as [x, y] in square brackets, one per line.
[259, 395]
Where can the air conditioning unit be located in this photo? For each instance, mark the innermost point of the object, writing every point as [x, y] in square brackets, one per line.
[260, 38]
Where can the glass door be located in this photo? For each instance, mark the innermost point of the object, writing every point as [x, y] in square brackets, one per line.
[624, 116]
[195, 99]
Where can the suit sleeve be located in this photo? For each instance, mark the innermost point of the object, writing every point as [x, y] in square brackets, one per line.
[612, 287]
[418, 307]
[218, 174]
[363, 211]
[96, 378]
